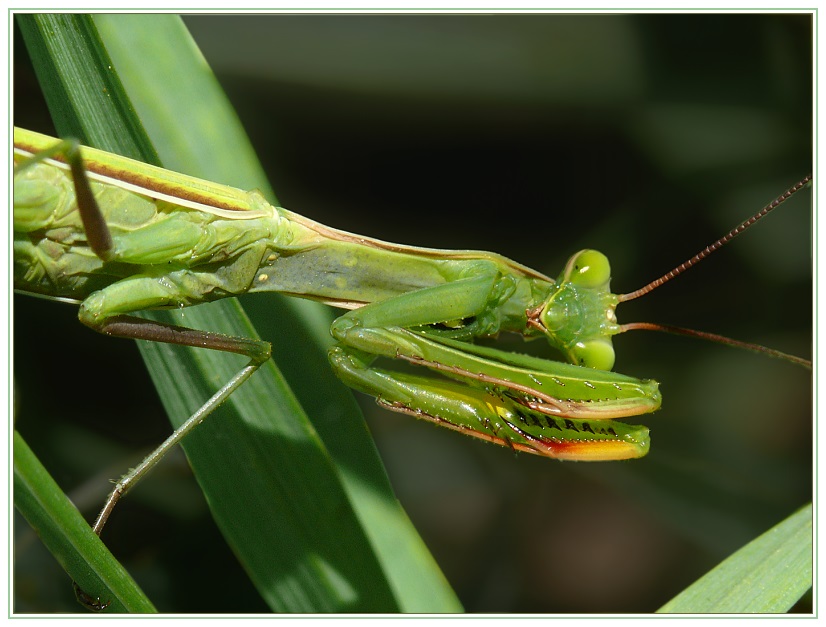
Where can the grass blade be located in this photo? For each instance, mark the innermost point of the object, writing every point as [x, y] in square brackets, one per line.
[768, 575]
[68, 536]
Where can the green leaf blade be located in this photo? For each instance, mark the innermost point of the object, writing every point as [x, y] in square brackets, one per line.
[68, 536]
[768, 575]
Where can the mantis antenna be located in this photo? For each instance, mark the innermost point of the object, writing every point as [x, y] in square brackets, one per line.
[725, 239]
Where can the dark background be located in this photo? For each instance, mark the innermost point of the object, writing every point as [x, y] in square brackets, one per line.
[644, 136]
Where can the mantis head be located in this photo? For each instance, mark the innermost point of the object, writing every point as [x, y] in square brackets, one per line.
[578, 316]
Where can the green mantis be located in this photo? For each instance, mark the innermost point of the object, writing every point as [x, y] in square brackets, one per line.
[141, 238]
[414, 304]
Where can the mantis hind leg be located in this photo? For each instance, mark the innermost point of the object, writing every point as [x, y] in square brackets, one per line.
[132, 327]
[107, 311]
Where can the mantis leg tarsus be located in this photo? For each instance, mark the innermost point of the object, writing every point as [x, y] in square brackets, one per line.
[88, 601]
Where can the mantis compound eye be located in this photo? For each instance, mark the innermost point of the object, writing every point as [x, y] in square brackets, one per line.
[589, 269]
[597, 353]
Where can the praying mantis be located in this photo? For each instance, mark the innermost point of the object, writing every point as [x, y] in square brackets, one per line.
[117, 237]
[553, 469]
